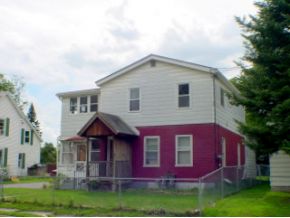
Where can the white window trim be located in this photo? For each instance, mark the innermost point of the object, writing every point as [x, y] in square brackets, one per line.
[129, 100]
[87, 104]
[158, 150]
[90, 103]
[191, 151]
[177, 96]
[77, 105]
[67, 152]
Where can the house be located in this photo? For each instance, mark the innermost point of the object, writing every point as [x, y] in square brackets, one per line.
[19, 141]
[280, 171]
[154, 117]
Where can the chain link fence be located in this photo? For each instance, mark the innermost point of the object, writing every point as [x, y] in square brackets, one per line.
[179, 196]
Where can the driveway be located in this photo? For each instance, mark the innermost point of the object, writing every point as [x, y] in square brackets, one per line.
[35, 185]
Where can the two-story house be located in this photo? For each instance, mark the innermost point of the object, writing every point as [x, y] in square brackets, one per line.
[153, 117]
[19, 141]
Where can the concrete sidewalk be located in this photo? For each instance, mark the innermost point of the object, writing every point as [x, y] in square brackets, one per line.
[35, 185]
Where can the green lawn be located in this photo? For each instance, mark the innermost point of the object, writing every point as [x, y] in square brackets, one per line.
[135, 203]
[257, 201]
[28, 179]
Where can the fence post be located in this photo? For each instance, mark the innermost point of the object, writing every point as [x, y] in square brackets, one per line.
[120, 193]
[2, 188]
[200, 196]
[238, 179]
[222, 182]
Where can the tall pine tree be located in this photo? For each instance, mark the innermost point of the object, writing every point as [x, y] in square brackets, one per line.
[265, 86]
[32, 118]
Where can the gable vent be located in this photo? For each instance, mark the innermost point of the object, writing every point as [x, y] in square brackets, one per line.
[152, 63]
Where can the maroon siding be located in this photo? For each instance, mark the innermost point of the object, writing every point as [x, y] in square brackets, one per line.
[206, 148]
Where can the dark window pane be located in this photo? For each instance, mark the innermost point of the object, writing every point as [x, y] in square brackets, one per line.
[94, 99]
[222, 97]
[84, 100]
[183, 101]
[95, 145]
[134, 105]
[94, 107]
[183, 89]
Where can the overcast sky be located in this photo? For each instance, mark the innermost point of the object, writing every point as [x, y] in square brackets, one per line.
[64, 45]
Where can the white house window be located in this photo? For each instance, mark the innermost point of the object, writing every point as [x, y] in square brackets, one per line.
[95, 150]
[2, 122]
[27, 136]
[151, 151]
[73, 105]
[83, 104]
[134, 102]
[94, 103]
[183, 95]
[222, 97]
[21, 160]
[67, 153]
[183, 150]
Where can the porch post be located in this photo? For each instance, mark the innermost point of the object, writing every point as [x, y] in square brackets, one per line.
[88, 153]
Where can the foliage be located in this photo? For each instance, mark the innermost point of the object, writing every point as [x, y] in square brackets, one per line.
[254, 202]
[31, 115]
[265, 86]
[48, 154]
[15, 87]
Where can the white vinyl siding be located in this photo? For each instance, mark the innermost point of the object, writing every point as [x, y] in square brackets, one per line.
[151, 151]
[183, 151]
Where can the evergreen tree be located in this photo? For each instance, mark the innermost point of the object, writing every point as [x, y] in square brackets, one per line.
[265, 86]
[32, 118]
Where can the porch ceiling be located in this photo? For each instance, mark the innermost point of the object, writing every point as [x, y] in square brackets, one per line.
[106, 124]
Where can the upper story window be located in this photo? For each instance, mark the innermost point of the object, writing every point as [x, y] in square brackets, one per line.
[222, 97]
[151, 151]
[83, 104]
[183, 95]
[183, 150]
[73, 105]
[2, 123]
[27, 137]
[94, 103]
[134, 102]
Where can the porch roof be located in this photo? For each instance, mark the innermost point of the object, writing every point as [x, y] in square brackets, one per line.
[74, 138]
[112, 122]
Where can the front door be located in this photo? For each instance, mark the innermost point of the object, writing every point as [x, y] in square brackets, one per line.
[81, 159]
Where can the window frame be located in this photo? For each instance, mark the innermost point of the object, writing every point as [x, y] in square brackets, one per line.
[190, 151]
[94, 151]
[139, 99]
[2, 131]
[86, 105]
[21, 160]
[97, 103]
[145, 150]
[189, 95]
[71, 152]
[76, 106]
[27, 135]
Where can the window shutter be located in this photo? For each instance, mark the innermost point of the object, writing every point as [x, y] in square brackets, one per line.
[23, 160]
[22, 136]
[5, 156]
[7, 124]
[31, 137]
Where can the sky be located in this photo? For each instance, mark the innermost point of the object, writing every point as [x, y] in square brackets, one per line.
[63, 45]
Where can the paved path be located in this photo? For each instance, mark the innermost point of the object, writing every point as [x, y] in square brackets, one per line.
[35, 185]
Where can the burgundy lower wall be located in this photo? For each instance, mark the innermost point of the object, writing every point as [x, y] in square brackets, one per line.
[205, 150]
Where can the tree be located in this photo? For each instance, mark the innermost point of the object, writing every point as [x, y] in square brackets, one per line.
[265, 86]
[31, 115]
[48, 154]
[15, 87]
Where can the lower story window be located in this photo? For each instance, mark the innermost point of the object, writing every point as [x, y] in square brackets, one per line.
[21, 160]
[152, 151]
[67, 153]
[183, 156]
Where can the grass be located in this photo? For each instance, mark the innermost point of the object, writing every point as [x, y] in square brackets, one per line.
[257, 201]
[83, 203]
[28, 179]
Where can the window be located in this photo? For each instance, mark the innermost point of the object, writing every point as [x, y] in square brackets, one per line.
[183, 95]
[222, 100]
[67, 153]
[183, 150]
[81, 153]
[27, 137]
[21, 160]
[73, 105]
[134, 104]
[84, 104]
[95, 150]
[94, 103]
[152, 151]
[2, 127]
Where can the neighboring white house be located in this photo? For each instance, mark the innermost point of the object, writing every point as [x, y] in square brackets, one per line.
[280, 171]
[19, 141]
